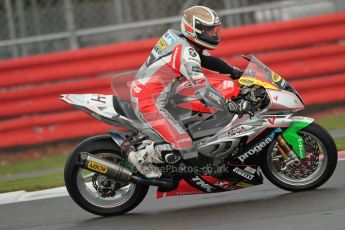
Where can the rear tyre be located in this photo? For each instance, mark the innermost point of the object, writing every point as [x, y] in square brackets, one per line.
[86, 188]
[313, 171]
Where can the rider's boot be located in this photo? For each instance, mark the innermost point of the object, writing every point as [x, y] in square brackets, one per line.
[150, 153]
[144, 158]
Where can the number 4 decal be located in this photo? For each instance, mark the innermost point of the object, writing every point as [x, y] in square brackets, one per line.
[99, 98]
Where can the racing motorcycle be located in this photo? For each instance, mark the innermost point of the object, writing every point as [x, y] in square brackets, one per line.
[293, 152]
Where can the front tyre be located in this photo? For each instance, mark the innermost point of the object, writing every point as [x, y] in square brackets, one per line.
[313, 171]
[96, 193]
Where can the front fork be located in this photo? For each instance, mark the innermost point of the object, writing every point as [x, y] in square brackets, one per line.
[288, 154]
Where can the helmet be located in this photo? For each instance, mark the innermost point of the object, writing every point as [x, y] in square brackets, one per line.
[201, 25]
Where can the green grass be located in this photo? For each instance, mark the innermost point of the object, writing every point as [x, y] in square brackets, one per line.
[335, 122]
[340, 141]
[48, 162]
[332, 122]
[31, 184]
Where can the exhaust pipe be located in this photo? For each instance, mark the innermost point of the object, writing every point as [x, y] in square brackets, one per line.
[165, 184]
[104, 167]
[118, 172]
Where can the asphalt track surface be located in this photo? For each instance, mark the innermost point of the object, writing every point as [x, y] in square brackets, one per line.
[261, 207]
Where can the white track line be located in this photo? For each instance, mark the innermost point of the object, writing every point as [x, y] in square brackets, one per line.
[20, 196]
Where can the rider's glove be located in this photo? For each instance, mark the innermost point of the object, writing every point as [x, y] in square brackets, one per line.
[241, 108]
[236, 73]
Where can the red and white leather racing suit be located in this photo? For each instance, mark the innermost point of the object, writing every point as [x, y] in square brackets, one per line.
[173, 57]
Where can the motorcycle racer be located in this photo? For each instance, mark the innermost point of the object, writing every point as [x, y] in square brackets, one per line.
[184, 53]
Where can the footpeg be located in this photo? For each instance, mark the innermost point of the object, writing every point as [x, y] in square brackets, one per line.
[172, 158]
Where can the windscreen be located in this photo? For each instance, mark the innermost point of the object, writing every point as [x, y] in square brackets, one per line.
[258, 70]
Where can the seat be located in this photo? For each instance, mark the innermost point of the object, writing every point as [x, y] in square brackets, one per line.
[124, 108]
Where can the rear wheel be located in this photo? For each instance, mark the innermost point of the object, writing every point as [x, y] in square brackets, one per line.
[94, 192]
[313, 171]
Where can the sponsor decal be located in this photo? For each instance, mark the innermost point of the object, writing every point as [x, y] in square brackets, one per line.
[214, 97]
[162, 44]
[300, 145]
[236, 131]
[196, 69]
[276, 77]
[256, 149]
[168, 38]
[192, 52]
[227, 84]
[250, 170]
[259, 147]
[198, 78]
[243, 173]
[97, 167]
[202, 184]
[191, 56]
[184, 140]
[271, 120]
[305, 119]
[157, 50]
[275, 98]
[99, 98]
[246, 82]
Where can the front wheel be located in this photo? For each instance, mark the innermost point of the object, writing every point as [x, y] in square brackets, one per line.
[94, 192]
[313, 171]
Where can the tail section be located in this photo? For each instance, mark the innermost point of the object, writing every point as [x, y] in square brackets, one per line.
[99, 106]
[94, 104]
